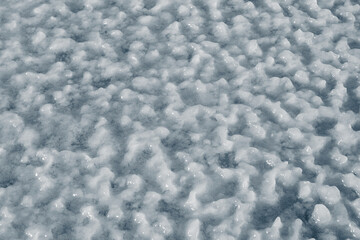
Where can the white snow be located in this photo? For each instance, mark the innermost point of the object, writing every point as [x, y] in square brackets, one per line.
[321, 215]
[184, 119]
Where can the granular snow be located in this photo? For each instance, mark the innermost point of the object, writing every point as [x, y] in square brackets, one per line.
[182, 119]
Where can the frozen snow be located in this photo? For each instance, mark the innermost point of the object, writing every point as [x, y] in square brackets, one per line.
[183, 119]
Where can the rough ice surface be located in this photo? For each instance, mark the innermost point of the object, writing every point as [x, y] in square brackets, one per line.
[179, 119]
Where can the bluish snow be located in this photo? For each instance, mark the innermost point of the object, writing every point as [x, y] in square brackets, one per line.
[181, 119]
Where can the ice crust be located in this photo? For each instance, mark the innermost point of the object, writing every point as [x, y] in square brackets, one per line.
[182, 119]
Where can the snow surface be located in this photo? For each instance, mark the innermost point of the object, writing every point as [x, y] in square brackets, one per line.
[179, 119]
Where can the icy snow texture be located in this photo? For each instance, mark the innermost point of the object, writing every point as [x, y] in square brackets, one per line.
[181, 119]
